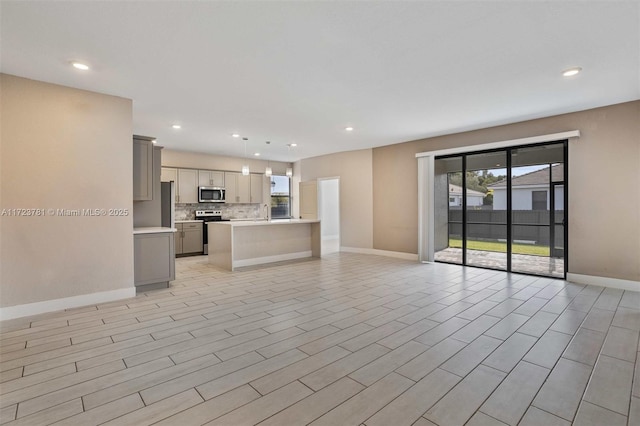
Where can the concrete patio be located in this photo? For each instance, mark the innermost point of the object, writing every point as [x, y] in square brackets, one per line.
[538, 265]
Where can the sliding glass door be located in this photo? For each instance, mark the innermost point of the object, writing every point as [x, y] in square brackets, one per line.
[448, 204]
[485, 223]
[503, 209]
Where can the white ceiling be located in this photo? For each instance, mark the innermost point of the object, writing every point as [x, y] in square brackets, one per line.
[300, 72]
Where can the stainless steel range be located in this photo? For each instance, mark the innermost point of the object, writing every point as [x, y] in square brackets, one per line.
[208, 216]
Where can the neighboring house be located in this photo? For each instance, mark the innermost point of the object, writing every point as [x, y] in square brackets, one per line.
[530, 191]
[474, 198]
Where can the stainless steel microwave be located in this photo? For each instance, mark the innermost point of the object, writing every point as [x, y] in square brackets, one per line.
[210, 194]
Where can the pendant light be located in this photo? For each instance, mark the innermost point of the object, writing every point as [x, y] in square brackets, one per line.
[289, 172]
[267, 171]
[245, 168]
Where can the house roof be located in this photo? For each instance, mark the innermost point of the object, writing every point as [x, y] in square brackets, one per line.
[539, 177]
[457, 190]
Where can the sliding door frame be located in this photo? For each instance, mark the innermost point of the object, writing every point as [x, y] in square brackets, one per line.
[426, 170]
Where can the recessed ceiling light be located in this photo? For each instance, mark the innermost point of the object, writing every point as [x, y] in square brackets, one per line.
[176, 126]
[571, 71]
[235, 135]
[80, 66]
[349, 129]
[154, 141]
[257, 154]
[293, 144]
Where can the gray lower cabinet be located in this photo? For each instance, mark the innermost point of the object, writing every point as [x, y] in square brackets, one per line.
[189, 238]
[178, 239]
[154, 260]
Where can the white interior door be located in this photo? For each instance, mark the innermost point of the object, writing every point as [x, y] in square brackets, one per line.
[329, 208]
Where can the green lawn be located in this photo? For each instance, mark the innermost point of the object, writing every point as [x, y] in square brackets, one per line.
[501, 247]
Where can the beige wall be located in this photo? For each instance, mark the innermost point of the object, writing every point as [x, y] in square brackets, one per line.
[195, 160]
[63, 148]
[356, 197]
[604, 182]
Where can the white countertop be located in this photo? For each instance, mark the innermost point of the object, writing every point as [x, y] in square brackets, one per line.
[189, 221]
[264, 222]
[153, 230]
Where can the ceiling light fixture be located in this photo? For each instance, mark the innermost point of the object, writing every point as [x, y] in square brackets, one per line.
[176, 126]
[348, 129]
[80, 66]
[257, 154]
[289, 171]
[571, 71]
[235, 135]
[154, 141]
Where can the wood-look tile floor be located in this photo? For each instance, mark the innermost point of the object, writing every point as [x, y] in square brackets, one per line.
[347, 340]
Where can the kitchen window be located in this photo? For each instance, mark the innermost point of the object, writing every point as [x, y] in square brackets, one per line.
[280, 197]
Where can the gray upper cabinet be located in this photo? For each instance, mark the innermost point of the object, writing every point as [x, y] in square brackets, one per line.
[188, 180]
[187, 186]
[211, 178]
[169, 174]
[238, 188]
[257, 188]
[142, 169]
[244, 188]
[231, 186]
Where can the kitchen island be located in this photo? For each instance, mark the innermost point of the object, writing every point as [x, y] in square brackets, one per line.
[236, 244]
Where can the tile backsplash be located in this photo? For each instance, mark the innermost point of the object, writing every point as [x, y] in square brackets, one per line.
[229, 211]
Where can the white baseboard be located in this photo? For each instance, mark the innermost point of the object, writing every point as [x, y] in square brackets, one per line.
[396, 254]
[271, 259]
[604, 281]
[19, 311]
